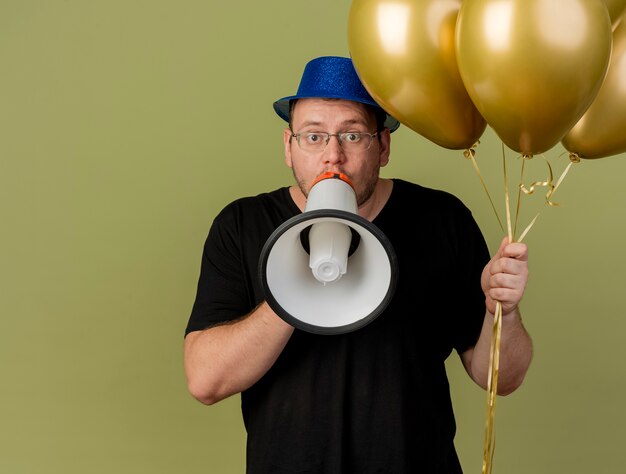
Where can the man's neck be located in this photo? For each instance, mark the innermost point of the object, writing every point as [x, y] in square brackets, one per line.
[372, 207]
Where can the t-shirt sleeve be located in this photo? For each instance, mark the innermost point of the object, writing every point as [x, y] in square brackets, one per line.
[473, 256]
[222, 293]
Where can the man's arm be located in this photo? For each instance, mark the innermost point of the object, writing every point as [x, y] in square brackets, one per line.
[227, 359]
[504, 279]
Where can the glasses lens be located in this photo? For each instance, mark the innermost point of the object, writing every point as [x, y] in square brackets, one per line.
[349, 141]
[312, 141]
[354, 141]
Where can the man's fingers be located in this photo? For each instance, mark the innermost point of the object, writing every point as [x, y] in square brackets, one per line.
[510, 266]
[506, 280]
[515, 250]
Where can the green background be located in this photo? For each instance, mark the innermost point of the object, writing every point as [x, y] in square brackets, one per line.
[125, 126]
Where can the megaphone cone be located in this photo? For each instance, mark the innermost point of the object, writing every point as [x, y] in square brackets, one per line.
[328, 270]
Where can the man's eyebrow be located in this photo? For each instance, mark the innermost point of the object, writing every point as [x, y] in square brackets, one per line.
[345, 123]
[309, 123]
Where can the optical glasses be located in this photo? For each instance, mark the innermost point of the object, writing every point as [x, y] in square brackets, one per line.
[349, 141]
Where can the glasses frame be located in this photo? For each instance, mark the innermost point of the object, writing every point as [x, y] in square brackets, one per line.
[329, 135]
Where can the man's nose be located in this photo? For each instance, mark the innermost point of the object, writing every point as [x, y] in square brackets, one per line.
[333, 153]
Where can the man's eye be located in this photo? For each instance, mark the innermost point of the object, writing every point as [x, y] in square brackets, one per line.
[352, 137]
[313, 138]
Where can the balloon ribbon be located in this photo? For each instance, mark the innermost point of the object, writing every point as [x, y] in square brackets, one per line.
[496, 332]
[470, 155]
[489, 446]
[492, 391]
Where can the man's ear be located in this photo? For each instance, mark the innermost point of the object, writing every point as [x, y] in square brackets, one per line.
[384, 147]
[287, 142]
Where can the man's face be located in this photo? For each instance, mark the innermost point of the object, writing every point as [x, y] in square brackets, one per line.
[336, 116]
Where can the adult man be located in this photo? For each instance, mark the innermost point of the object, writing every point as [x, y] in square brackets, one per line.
[376, 399]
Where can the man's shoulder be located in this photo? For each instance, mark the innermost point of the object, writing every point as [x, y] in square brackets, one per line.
[276, 204]
[277, 198]
[416, 194]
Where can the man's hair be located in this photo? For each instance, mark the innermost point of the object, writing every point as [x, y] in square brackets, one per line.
[379, 113]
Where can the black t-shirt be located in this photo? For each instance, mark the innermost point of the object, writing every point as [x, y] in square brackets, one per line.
[375, 400]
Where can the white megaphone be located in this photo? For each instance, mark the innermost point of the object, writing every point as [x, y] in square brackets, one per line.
[328, 270]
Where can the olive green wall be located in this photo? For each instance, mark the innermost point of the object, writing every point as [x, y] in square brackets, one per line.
[124, 127]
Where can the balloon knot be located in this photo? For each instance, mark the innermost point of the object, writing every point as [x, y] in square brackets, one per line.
[574, 157]
[469, 153]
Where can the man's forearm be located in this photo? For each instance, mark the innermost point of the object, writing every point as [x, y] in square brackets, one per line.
[227, 359]
[515, 353]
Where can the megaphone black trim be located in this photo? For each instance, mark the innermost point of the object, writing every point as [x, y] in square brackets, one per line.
[358, 222]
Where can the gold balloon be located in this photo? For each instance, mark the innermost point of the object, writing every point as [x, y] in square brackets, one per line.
[602, 130]
[533, 67]
[403, 51]
[615, 8]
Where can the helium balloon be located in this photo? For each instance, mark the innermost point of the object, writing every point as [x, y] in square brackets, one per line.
[403, 51]
[615, 8]
[532, 67]
[602, 130]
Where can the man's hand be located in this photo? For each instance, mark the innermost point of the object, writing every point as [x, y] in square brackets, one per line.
[504, 277]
